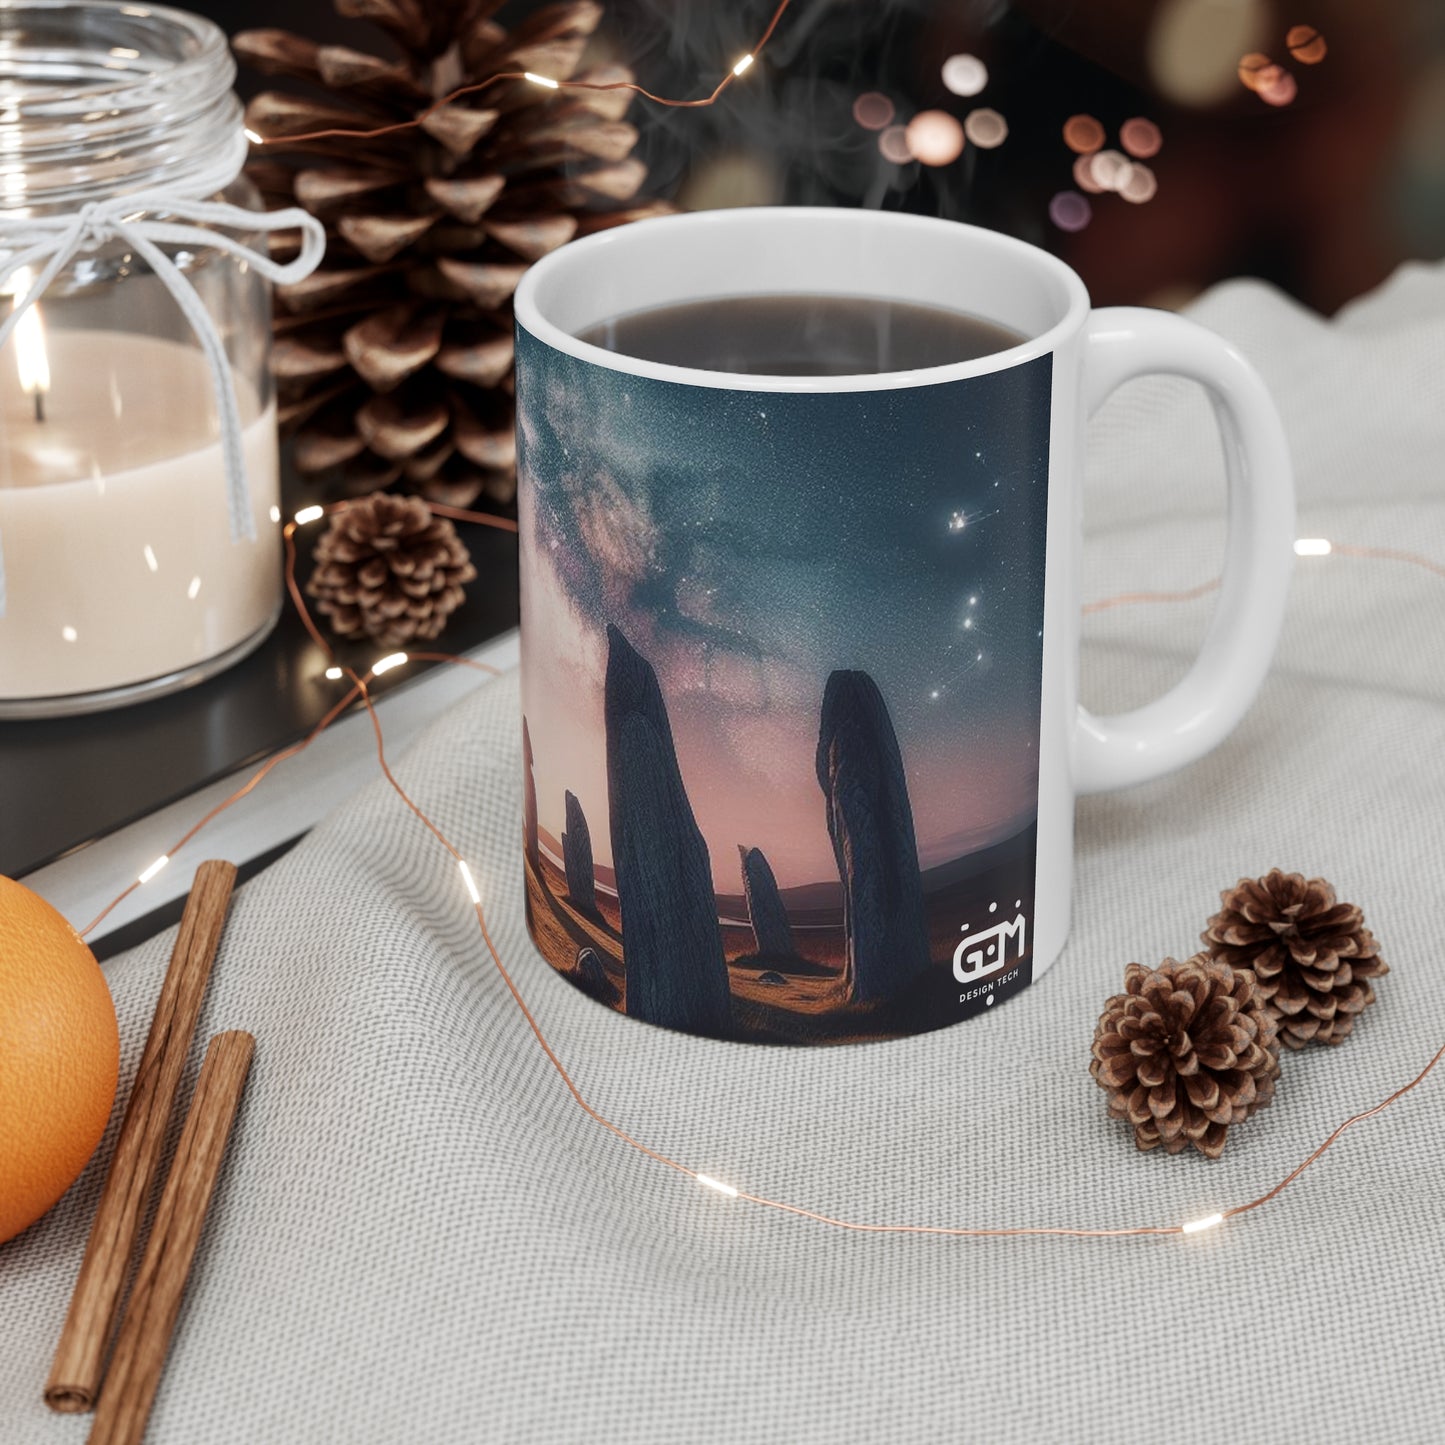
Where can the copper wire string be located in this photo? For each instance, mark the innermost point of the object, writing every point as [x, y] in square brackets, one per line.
[1132, 599]
[360, 690]
[372, 133]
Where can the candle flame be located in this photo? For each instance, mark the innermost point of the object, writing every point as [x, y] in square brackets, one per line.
[31, 358]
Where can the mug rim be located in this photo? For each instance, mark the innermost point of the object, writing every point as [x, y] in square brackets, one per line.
[529, 315]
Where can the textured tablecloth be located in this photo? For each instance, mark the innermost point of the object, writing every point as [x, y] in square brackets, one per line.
[418, 1236]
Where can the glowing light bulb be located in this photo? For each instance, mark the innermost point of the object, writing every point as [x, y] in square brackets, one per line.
[333, 674]
[149, 873]
[742, 64]
[1313, 547]
[256, 140]
[385, 664]
[1196, 1226]
[309, 514]
[708, 1182]
[544, 80]
[469, 880]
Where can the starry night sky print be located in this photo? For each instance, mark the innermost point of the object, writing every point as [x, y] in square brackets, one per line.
[748, 543]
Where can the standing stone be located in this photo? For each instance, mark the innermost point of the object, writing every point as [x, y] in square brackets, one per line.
[529, 804]
[590, 975]
[771, 930]
[870, 820]
[672, 947]
[577, 858]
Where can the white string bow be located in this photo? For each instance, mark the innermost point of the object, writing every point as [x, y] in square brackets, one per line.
[52, 242]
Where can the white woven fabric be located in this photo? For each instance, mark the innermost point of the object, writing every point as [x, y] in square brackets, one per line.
[418, 1236]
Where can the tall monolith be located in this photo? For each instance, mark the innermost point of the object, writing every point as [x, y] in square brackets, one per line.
[577, 858]
[590, 975]
[529, 803]
[771, 930]
[672, 948]
[870, 821]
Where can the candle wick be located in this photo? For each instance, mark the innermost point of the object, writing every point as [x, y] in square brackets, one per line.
[39, 404]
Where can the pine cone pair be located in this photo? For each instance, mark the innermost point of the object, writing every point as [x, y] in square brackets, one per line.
[387, 569]
[1312, 956]
[394, 359]
[1187, 1050]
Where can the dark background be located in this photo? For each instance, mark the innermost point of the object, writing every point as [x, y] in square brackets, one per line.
[1323, 196]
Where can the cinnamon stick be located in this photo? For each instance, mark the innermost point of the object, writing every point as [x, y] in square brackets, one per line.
[155, 1298]
[79, 1363]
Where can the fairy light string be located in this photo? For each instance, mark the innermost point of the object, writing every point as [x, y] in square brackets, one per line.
[360, 691]
[545, 82]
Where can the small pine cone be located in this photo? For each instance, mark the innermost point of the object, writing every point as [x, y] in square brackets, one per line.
[1313, 957]
[387, 569]
[1185, 1051]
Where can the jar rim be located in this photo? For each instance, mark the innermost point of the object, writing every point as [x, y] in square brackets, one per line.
[210, 45]
[105, 97]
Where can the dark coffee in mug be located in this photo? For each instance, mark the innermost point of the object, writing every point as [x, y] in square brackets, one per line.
[801, 335]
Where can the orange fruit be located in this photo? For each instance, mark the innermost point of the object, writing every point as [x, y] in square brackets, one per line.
[59, 1056]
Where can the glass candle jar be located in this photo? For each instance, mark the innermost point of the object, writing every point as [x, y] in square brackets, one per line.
[131, 568]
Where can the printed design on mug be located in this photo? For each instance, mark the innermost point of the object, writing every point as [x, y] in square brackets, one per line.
[781, 694]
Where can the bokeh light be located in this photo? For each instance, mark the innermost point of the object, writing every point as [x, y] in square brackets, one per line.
[1083, 134]
[1194, 46]
[1306, 44]
[985, 128]
[1140, 184]
[1278, 87]
[1252, 66]
[1070, 211]
[893, 142]
[934, 137]
[1140, 137]
[1084, 175]
[873, 111]
[1110, 170]
[964, 74]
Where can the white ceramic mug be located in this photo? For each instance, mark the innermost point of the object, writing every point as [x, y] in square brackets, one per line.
[800, 654]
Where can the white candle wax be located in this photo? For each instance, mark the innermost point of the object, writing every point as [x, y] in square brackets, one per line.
[114, 521]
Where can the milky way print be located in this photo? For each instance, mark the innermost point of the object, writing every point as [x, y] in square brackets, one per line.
[781, 688]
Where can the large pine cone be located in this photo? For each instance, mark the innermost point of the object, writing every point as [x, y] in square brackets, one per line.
[394, 359]
[1185, 1051]
[388, 570]
[1314, 957]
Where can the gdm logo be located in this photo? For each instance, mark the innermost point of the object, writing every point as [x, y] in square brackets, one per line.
[984, 953]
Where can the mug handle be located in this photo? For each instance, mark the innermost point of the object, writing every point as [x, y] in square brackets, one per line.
[1195, 715]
